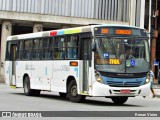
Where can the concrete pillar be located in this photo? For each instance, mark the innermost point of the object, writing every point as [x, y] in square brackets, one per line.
[132, 14]
[6, 31]
[37, 27]
[142, 13]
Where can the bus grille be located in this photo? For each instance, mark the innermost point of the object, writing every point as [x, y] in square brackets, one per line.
[122, 84]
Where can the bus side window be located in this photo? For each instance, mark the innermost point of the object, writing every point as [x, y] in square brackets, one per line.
[27, 48]
[60, 48]
[41, 52]
[72, 47]
[46, 48]
[35, 51]
[56, 48]
[20, 54]
[51, 46]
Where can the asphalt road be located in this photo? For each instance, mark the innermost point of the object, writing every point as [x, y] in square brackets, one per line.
[15, 100]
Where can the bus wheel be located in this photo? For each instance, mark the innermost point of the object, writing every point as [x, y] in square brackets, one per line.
[72, 93]
[26, 85]
[119, 100]
[63, 95]
[27, 90]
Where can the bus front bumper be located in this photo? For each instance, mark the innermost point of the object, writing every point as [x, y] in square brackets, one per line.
[100, 89]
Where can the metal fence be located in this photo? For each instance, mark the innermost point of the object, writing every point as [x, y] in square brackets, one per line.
[115, 10]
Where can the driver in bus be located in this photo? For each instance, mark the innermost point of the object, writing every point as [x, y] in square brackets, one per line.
[127, 55]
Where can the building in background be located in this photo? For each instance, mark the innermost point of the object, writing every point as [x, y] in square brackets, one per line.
[155, 31]
[27, 16]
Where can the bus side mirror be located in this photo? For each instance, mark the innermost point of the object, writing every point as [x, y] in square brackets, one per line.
[94, 47]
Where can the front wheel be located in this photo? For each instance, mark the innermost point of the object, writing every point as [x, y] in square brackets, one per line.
[73, 94]
[119, 100]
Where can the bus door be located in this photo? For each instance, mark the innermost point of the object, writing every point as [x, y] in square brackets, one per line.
[13, 56]
[86, 61]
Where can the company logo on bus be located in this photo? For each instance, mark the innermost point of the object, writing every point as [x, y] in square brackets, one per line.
[124, 83]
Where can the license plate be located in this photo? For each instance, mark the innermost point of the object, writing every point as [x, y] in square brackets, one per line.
[125, 91]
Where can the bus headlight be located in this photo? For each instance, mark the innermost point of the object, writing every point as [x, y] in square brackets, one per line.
[98, 76]
[99, 79]
[147, 80]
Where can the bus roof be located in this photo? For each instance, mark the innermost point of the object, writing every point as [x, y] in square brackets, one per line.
[62, 32]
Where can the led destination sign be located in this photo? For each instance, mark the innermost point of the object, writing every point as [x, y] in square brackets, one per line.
[127, 31]
[110, 61]
[123, 32]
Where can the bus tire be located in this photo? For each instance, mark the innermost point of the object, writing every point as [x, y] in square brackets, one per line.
[63, 95]
[72, 93]
[36, 92]
[26, 86]
[119, 100]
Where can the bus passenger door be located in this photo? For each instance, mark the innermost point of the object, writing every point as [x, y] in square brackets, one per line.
[13, 64]
[85, 56]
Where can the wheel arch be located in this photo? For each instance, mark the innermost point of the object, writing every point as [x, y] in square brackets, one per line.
[69, 79]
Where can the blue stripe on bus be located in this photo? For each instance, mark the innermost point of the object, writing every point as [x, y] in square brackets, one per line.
[60, 32]
[76, 70]
[46, 71]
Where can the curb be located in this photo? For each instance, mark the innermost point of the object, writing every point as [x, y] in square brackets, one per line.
[157, 92]
[158, 96]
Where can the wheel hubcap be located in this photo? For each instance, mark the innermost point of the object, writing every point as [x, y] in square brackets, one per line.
[25, 87]
[74, 91]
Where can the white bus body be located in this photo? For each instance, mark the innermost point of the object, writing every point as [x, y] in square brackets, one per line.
[56, 74]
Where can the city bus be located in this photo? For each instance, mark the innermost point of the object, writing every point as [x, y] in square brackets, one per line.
[81, 61]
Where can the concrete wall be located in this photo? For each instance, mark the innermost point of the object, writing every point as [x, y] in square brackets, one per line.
[53, 19]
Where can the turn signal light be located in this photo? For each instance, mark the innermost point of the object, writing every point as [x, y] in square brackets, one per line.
[73, 63]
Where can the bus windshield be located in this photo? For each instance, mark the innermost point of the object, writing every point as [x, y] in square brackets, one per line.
[121, 55]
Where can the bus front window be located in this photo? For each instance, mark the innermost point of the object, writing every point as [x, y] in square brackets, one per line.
[119, 55]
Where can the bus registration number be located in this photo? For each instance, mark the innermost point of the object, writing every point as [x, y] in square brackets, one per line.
[125, 91]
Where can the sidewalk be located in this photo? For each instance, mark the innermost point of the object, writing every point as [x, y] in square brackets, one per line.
[3, 86]
[156, 88]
